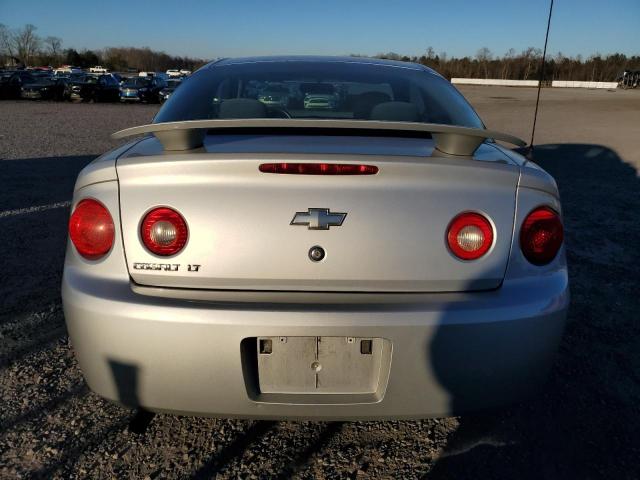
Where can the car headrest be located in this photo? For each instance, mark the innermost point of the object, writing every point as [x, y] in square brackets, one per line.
[242, 108]
[365, 102]
[395, 112]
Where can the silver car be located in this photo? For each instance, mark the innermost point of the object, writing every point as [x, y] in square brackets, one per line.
[387, 259]
[320, 101]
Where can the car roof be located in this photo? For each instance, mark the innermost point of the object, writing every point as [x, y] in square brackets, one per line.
[321, 59]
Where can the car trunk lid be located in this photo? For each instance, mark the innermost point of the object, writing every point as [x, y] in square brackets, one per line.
[242, 233]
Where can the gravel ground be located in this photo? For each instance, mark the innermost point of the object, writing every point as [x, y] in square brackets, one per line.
[584, 425]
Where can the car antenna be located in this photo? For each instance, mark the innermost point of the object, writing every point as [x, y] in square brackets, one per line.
[544, 55]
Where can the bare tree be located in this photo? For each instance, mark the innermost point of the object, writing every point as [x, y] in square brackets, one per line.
[484, 56]
[54, 46]
[530, 57]
[430, 53]
[26, 42]
[6, 44]
[507, 60]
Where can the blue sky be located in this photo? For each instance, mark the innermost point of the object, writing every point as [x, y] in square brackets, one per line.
[217, 28]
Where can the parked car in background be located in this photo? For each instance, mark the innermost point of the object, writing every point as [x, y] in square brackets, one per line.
[67, 69]
[174, 73]
[118, 78]
[5, 73]
[98, 69]
[93, 88]
[629, 79]
[166, 92]
[69, 77]
[42, 69]
[319, 96]
[11, 85]
[142, 89]
[5, 76]
[320, 101]
[185, 73]
[44, 88]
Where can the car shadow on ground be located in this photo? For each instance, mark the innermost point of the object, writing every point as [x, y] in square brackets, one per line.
[585, 422]
[34, 212]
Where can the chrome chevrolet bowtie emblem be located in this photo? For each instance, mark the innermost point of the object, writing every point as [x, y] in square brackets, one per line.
[318, 219]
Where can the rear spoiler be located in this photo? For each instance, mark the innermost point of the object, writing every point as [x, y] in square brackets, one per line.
[189, 134]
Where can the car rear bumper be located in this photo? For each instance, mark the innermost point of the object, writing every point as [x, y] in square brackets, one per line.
[31, 95]
[450, 353]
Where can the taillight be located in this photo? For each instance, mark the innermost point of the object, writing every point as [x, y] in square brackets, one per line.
[541, 235]
[318, 168]
[91, 229]
[470, 236]
[164, 231]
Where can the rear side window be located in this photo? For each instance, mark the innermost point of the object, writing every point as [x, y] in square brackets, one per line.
[322, 90]
[138, 82]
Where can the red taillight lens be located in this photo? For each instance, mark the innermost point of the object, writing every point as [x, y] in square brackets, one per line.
[470, 236]
[91, 229]
[541, 235]
[164, 231]
[318, 169]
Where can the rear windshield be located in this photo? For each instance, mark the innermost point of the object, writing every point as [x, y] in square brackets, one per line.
[44, 80]
[318, 90]
[137, 82]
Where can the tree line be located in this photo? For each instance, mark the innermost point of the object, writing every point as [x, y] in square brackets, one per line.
[24, 47]
[525, 65]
